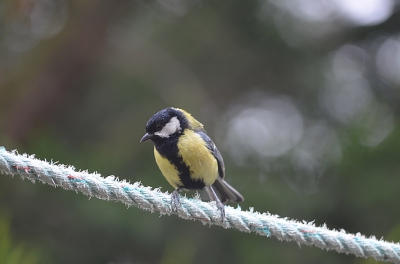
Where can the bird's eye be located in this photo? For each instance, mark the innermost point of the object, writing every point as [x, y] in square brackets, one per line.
[158, 127]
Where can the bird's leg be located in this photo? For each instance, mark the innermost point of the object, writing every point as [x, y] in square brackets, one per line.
[175, 198]
[215, 198]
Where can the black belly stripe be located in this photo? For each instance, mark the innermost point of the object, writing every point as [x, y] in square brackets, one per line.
[169, 150]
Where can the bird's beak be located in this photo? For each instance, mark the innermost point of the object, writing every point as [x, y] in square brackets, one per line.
[146, 137]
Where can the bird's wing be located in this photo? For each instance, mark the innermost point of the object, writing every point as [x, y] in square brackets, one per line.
[222, 189]
[213, 149]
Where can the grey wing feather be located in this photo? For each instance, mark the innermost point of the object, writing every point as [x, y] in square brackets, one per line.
[224, 191]
[213, 149]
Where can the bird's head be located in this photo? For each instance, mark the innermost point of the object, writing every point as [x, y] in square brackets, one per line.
[164, 124]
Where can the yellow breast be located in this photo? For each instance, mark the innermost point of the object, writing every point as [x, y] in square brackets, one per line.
[201, 163]
[194, 153]
[169, 171]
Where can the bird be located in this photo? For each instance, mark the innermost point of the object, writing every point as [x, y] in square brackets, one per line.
[188, 158]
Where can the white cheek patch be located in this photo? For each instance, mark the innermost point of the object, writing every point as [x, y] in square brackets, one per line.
[170, 128]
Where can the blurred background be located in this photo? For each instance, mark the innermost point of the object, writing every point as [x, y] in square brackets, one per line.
[301, 97]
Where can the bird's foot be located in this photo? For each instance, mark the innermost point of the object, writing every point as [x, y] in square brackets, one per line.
[175, 199]
[221, 208]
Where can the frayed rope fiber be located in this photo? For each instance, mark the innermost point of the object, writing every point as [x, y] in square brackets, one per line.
[146, 198]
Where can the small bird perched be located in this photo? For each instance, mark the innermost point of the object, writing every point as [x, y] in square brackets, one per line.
[187, 157]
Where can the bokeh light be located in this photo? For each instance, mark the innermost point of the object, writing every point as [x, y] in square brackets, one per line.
[35, 20]
[320, 19]
[267, 129]
[388, 60]
[347, 101]
[365, 12]
[347, 94]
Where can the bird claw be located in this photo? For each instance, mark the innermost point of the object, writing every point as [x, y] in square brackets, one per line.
[175, 199]
[221, 208]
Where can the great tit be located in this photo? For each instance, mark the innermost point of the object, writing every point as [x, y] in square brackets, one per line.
[187, 157]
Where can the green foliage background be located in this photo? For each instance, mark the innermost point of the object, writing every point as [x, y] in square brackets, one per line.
[79, 80]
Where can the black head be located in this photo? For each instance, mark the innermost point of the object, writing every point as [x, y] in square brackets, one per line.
[164, 124]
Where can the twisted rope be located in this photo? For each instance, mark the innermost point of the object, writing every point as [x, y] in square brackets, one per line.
[146, 198]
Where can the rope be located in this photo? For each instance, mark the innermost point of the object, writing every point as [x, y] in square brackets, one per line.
[146, 198]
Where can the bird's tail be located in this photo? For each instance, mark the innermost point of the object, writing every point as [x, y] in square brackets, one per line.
[224, 191]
